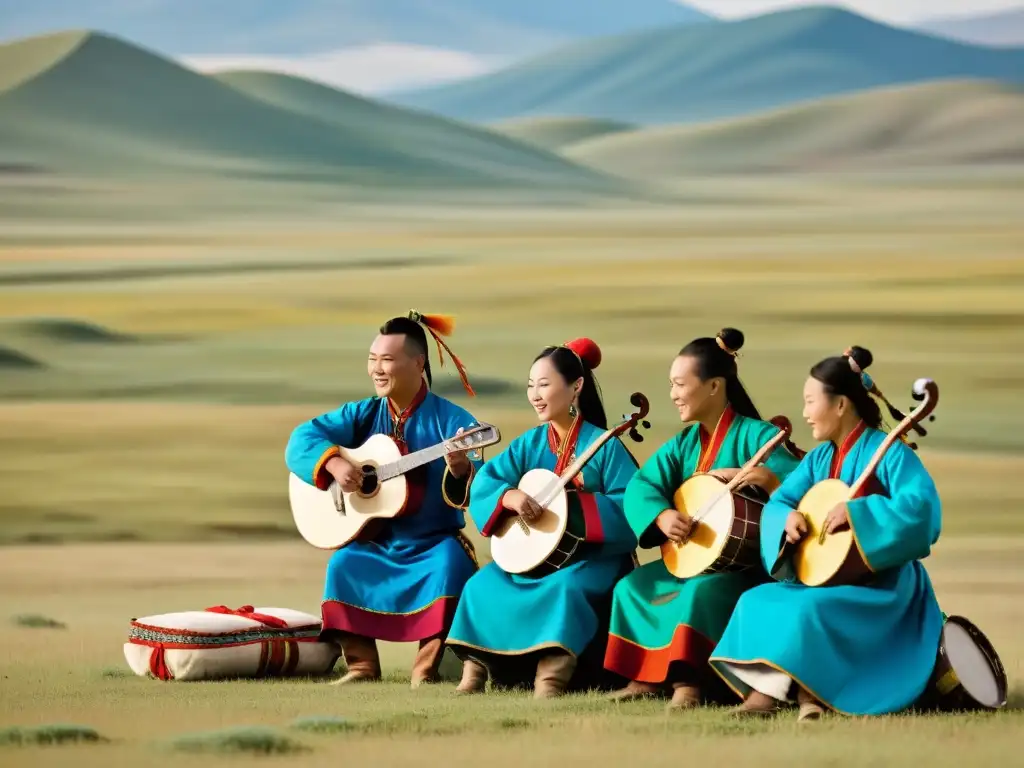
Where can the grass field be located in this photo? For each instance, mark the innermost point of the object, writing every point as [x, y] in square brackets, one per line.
[150, 376]
[78, 675]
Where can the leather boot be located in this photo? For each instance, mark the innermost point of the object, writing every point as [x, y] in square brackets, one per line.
[636, 690]
[428, 660]
[554, 671]
[758, 704]
[474, 678]
[684, 696]
[361, 659]
[810, 708]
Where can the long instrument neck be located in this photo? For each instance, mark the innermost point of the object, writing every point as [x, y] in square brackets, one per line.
[413, 460]
[758, 457]
[576, 467]
[876, 458]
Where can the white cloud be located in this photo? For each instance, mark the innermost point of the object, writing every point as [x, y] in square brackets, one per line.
[366, 69]
[896, 11]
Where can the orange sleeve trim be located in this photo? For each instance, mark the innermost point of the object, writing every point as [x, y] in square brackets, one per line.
[322, 478]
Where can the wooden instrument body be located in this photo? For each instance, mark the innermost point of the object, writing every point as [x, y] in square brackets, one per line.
[727, 536]
[833, 560]
[968, 674]
[518, 547]
[331, 519]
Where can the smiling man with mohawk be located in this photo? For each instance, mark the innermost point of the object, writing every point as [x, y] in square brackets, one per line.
[399, 582]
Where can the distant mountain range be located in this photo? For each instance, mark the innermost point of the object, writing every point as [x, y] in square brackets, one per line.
[950, 123]
[89, 104]
[705, 72]
[303, 27]
[584, 120]
[1005, 28]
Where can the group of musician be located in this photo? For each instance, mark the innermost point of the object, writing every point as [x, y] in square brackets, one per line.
[757, 638]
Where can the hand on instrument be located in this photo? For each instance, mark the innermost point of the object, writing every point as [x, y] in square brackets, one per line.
[458, 461]
[725, 475]
[796, 527]
[522, 505]
[762, 477]
[675, 525]
[347, 476]
[837, 519]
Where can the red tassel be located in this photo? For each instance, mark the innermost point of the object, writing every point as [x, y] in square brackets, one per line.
[443, 325]
[458, 363]
[158, 665]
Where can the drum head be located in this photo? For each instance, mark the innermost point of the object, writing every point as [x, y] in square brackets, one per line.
[971, 665]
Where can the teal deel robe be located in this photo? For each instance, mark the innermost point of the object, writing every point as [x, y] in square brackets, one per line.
[860, 650]
[501, 616]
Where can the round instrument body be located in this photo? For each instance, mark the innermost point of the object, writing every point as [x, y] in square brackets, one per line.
[727, 537]
[968, 674]
[518, 549]
[835, 560]
[316, 513]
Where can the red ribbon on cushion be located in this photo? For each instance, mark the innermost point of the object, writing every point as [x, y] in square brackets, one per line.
[248, 612]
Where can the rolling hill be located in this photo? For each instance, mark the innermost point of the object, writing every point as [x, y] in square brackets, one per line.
[705, 72]
[312, 26]
[556, 133]
[1005, 28]
[932, 125]
[87, 103]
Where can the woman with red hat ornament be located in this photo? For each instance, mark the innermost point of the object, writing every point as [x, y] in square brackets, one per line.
[534, 627]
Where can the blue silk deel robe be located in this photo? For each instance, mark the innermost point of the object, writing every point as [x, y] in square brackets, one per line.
[860, 650]
[502, 616]
[403, 583]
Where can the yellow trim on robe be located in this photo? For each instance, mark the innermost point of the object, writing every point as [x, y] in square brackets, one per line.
[531, 649]
[777, 668]
[444, 494]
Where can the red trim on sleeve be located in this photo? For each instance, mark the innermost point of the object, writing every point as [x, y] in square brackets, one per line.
[591, 517]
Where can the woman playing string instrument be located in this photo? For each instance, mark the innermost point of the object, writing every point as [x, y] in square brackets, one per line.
[663, 628]
[855, 649]
[533, 627]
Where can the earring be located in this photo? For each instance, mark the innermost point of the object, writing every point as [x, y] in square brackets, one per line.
[572, 410]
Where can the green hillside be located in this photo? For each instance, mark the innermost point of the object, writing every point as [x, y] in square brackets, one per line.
[443, 142]
[702, 72]
[89, 104]
[932, 125]
[556, 133]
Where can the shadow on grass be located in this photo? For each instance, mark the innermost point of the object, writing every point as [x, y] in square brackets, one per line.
[68, 331]
[50, 735]
[246, 740]
[38, 621]
[13, 360]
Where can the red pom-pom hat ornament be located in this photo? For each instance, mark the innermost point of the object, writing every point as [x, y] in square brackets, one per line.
[587, 351]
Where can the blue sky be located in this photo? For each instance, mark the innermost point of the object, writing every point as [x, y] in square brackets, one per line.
[889, 10]
[393, 66]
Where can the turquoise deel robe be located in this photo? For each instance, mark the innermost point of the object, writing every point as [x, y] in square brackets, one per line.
[664, 628]
[863, 650]
[503, 615]
[404, 583]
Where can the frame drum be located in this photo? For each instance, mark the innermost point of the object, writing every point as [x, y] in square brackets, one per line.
[968, 673]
